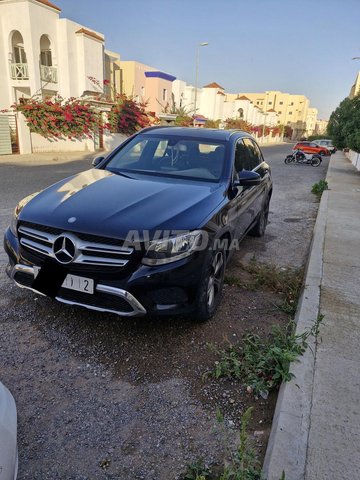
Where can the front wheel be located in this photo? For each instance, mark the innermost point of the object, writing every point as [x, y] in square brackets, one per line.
[289, 159]
[315, 161]
[211, 285]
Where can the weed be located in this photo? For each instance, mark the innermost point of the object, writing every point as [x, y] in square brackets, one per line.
[263, 364]
[318, 188]
[231, 280]
[197, 471]
[243, 464]
[285, 281]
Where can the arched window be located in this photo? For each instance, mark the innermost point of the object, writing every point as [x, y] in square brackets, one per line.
[19, 68]
[241, 112]
[45, 51]
[47, 70]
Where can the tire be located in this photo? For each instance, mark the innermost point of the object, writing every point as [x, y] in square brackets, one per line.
[315, 161]
[259, 228]
[289, 159]
[211, 285]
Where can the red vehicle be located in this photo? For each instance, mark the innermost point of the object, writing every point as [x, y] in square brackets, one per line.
[311, 147]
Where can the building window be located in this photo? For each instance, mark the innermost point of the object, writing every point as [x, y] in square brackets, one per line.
[291, 104]
[19, 67]
[281, 103]
[143, 91]
[269, 103]
[19, 54]
[290, 113]
[45, 58]
[279, 112]
[164, 94]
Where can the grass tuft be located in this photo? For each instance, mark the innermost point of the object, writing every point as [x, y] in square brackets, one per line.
[319, 187]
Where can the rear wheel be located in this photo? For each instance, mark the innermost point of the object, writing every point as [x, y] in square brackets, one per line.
[315, 161]
[259, 228]
[211, 284]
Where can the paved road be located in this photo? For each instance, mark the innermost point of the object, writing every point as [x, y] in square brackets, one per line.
[102, 398]
[293, 210]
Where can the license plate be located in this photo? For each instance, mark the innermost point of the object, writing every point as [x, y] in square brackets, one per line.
[74, 282]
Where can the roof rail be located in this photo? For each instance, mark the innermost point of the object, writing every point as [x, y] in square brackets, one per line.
[154, 127]
[235, 130]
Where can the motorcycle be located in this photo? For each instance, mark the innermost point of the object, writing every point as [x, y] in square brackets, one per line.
[298, 156]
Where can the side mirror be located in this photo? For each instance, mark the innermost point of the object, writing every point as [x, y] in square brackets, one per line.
[97, 161]
[248, 178]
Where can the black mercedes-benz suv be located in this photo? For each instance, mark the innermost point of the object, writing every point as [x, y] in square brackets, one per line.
[149, 229]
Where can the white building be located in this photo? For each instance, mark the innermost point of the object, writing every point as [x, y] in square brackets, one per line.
[311, 119]
[43, 54]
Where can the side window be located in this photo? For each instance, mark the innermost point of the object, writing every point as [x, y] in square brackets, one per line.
[255, 157]
[242, 160]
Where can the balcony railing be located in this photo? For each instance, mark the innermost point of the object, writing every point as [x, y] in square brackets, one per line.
[48, 74]
[19, 71]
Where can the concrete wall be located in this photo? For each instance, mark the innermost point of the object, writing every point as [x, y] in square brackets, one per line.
[354, 158]
[41, 144]
[112, 140]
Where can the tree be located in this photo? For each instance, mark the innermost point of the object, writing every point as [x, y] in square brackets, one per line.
[344, 124]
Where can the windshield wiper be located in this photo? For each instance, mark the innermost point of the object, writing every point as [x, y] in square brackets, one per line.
[117, 172]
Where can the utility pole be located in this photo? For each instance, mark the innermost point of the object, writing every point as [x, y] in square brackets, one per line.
[202, 44]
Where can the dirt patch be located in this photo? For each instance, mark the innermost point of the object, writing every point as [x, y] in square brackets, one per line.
[68, 346]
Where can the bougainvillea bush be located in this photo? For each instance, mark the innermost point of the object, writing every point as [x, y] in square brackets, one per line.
[127, 116]
[59, 118]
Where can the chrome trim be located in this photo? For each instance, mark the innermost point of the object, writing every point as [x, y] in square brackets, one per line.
[37, 234]
[83, 249]
[104, 248]
[36, 247]
[119, 292]
[138, 309]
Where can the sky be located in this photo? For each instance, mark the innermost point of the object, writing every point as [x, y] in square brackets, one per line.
[295, 46]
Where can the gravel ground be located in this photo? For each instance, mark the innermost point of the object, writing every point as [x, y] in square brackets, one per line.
[101, 397]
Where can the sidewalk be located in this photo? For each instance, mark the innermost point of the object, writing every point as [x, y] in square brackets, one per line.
[316, 427]
[43, 158]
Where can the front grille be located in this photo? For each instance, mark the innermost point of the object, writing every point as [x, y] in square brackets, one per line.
[89, 249]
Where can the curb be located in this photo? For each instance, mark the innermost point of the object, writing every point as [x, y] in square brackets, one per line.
[288, 442]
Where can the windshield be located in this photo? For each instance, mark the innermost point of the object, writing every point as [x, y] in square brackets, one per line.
[171, 156]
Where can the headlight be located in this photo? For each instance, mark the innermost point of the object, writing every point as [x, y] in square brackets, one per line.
[19, 207]
[13, 223]
[173, 248]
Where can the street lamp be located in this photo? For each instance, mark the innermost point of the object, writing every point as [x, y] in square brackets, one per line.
[202, 44]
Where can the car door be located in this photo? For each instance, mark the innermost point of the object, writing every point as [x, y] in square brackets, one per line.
[257, 192]
[242, 205]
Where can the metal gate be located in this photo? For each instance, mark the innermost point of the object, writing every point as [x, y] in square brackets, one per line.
[8, 135]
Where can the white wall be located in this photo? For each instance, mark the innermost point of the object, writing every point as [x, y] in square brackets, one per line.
[41, 144]
[112, 140]
[354, 158]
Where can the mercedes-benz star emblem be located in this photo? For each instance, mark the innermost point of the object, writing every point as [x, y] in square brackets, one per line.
[64, 249]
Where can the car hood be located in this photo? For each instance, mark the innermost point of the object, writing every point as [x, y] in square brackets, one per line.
[107, 204]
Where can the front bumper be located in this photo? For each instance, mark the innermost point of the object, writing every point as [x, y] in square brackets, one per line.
[160, 290]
